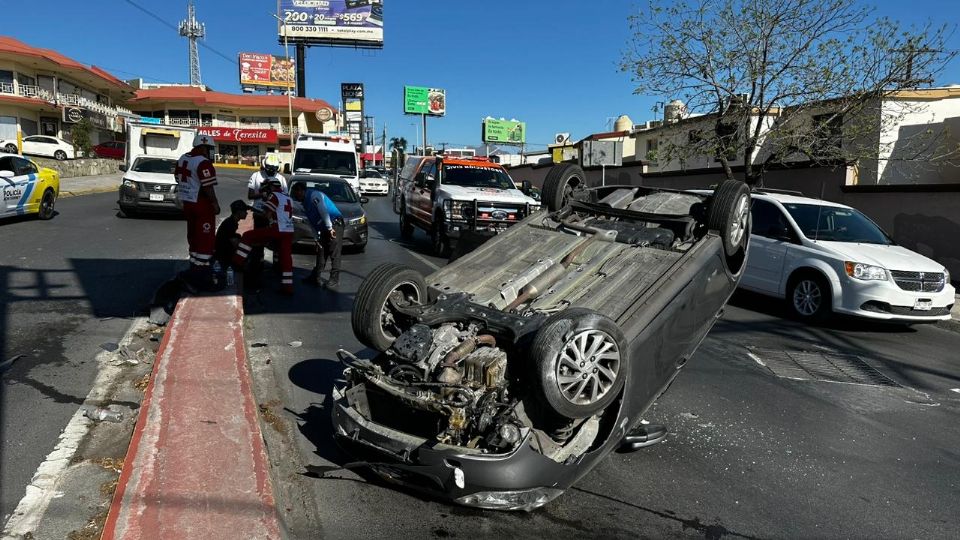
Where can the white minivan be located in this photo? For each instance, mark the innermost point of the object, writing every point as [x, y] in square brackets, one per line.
[331, 156]
[824, 257]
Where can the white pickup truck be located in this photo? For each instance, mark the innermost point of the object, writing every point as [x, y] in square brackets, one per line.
[149, 184]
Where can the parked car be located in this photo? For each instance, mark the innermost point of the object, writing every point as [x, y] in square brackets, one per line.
[110, 150]
[373, 183]
[453, 197]
[27, 188]
[823, 258]
[506, 376]
[41, 145]
[348, 202]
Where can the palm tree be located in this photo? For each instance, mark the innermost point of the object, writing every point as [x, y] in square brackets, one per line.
[398, 146]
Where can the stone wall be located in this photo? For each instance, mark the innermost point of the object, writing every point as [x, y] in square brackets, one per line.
[71, 168]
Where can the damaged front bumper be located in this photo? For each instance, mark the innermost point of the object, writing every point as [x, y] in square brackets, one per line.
[522, 479]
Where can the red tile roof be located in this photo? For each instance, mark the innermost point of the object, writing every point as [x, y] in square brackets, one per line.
[11, 45]
[199, 97]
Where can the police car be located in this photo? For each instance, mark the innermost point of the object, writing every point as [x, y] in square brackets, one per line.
[27, 188]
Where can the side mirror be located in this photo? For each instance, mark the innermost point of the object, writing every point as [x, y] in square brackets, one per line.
[286, 168]
[122, 167]
[364, 200]
[526, 186]
[430, 183]
[6, 174]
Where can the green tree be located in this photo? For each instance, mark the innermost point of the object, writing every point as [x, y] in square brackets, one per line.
[80, 136]
[398, 147]
[778, 78]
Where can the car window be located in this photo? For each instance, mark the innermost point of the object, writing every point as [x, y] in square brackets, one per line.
[325, 161]
[768, 220]
[430, 169]
[33, 139]
[409, 168]
[6, 164]
[473, 176]
[23, 166]
[836, 224]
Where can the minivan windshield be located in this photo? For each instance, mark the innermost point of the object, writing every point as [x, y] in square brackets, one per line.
[835, 224]
[154, 165]
[478, 177]
[315, 160]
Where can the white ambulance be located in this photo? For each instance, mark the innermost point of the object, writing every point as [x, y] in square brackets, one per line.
[330, 156]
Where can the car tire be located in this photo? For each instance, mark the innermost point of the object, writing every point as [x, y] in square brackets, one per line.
[438, 238]
[809, 297]
[562, 184]
[374, 323]
[10, 149]
[729, 216]
[406, 228]
[47, 203]
[60, 155]
[564, 353]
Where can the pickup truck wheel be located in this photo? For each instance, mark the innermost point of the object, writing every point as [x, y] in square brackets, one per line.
[438, 238]
[580, 362]
[729, 215]
[562, 184]
[375, 323]
[406, 228]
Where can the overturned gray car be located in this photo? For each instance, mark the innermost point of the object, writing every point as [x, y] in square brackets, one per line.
[506, 376]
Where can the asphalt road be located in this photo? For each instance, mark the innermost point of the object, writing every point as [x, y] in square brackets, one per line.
[750, 454]
[68, 286]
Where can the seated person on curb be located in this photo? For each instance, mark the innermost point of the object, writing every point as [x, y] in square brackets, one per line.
[327, 222]
[227, 236]
[278, 209]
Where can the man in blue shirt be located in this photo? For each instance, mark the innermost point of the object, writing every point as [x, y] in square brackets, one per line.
[327, 221]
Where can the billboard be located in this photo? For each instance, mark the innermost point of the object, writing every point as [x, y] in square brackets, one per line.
[349, 23]
[265, 70]
[423, 100]
[503, 131]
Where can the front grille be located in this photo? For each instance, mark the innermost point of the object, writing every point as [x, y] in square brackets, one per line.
[883, 307]
[149, 187]
[919, 281]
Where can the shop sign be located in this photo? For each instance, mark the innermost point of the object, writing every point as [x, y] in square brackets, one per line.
[248, 136]
[72, 115]
[324, 114]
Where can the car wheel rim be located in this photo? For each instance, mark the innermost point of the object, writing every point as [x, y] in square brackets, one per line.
[740, 219]
[587, 367]
[807, 297]
[46, 204]
[405, 293]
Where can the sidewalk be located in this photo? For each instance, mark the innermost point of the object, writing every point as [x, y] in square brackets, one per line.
[197, 466]
[85, 185]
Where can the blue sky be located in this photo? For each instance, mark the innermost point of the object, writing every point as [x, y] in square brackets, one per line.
[553, 64]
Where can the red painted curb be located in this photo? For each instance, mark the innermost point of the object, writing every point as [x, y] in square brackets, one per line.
[196, 465]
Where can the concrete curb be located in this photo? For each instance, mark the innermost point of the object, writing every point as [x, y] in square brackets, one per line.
[88, 191]
[197, 465]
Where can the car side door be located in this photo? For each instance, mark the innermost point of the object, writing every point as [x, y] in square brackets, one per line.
[16, 188]
[422, 202]
[770, 236]
[8, 183]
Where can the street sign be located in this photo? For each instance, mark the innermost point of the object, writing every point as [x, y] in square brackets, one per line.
[601, 153]
[351, 90]
[503, 131]
[423, 100]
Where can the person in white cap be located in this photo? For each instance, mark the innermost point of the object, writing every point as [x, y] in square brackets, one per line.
[196, 181]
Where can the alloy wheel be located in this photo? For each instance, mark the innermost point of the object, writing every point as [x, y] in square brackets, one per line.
[807, 297]
[588, 367]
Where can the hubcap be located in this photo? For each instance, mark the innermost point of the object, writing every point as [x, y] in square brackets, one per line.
[807, 297]
[404, 293]
[588, 367]
[741, 218]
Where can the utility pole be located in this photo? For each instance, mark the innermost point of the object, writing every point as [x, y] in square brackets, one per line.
[193, 30]
[383, 146]
[424, 134]
[912, 52]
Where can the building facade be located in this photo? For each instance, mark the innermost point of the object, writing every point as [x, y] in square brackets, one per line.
[43, 92]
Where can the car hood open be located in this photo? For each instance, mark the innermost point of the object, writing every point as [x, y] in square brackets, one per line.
[890, 257]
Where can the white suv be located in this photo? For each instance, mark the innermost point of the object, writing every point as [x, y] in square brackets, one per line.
[825, 257]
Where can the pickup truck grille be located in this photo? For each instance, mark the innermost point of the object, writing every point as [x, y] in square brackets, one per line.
[919, 281]
[149, 187]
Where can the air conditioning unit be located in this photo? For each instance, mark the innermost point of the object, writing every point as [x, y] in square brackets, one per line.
[561, 138]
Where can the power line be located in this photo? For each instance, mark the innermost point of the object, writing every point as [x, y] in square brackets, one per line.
[177, 30]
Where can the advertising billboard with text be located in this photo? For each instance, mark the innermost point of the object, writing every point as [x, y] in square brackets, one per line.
[264, 70]
[423, 100]
[504, 131]
[350, 23]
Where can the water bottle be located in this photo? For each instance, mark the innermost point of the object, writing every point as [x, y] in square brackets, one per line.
[230, 277]
[216, 267]
[100, 414]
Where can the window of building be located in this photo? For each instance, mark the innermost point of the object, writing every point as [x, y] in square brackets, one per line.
[6, 81]
[250, 154]
[8, 127]
[29, 127]
[228, 153]
[48, 126]
[46, 82]
[26, 79]
[227, 120]
[827, 133]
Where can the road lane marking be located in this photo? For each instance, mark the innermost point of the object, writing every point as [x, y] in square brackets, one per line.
[421, 258]
[45, 481]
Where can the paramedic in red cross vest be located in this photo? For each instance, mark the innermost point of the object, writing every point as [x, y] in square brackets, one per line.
[278, 209]
[196, 179]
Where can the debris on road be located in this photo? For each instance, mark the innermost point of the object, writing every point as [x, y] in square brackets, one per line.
[109, 346]
[296, 344]
[100, 414]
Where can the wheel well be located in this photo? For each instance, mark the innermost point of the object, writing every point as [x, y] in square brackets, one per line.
[808, 271]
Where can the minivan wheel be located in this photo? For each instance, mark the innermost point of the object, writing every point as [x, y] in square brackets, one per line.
[809, 298]
[580, 362]
[375, 323]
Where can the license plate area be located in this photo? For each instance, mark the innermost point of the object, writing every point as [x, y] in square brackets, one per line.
[156, 197]
[923, 304]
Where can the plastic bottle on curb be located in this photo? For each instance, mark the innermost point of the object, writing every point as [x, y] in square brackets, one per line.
[100, 414]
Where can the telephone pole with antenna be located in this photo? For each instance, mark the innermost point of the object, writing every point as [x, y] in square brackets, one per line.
[193, 30]
[912, 51]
